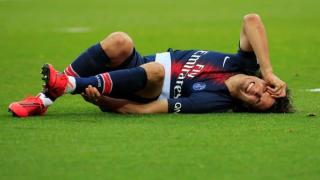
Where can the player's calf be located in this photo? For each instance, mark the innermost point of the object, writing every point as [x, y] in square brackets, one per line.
[120, 81]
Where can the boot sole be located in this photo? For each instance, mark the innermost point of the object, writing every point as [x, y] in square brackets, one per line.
[45, 71]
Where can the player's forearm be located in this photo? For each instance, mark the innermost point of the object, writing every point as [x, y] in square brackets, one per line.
[130, 107]
[116, 105]
[256, 35]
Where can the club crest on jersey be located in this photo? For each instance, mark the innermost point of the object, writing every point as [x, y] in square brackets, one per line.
[199, 86]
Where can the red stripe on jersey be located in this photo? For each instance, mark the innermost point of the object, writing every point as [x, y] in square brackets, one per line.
[176, 68]
[214, 74]
[209, 72]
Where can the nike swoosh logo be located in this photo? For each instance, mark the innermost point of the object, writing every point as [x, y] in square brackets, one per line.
[225, 59]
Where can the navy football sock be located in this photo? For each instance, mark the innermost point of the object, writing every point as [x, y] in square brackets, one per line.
[83, 83]
[120, 81]
[91, 62]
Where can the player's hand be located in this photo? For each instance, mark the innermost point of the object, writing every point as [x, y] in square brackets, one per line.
[91, 95]
[276, 87]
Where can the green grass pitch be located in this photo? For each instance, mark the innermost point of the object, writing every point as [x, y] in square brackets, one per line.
[76, 141]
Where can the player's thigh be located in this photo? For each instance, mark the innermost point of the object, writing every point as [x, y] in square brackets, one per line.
[151, 91]
[155, 79]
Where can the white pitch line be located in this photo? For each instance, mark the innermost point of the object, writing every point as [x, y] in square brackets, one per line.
[313, 90]
[75, 29]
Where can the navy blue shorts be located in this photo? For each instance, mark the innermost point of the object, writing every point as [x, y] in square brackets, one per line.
[136, 60]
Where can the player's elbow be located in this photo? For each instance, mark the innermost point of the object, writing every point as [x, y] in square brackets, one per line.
[251, 18]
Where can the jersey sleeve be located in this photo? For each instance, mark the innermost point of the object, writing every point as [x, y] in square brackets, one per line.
[248, 62]
[202, 102]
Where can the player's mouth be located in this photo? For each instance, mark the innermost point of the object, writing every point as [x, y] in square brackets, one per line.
[250, 86]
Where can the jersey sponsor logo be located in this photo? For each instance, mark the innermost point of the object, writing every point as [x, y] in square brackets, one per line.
[199, 86]
[225, 60]
[177, 107]
[190, 70]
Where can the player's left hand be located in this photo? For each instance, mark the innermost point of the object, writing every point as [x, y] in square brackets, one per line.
[276, 87]
[91, 95]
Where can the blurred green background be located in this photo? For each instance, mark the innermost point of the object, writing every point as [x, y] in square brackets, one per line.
[76, 141]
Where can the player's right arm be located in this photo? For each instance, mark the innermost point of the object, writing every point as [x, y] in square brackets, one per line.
[203, 102]
[124, 106]
[253, 37]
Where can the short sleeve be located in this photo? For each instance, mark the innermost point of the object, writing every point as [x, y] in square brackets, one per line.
[203, 102]
[248, 62]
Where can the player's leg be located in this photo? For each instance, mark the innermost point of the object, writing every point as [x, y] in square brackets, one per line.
[153, 88]
[110, 53]
[114, 51]
[129, 80]
[147, 80]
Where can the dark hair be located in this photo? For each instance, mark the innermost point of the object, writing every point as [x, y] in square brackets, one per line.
[281, 105]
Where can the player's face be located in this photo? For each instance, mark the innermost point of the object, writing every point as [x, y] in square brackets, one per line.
[253, 91]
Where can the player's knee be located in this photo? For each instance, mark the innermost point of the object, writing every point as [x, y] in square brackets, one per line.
[155, 71]
[120, 39]
[159, 71]
[118, 45]
[252, 18]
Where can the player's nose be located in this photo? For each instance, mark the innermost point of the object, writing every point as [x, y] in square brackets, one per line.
[258, 91]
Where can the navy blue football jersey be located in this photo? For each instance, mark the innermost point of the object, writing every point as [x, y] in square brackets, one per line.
[197, 79]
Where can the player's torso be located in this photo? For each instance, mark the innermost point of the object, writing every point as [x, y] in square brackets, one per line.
[197, 70]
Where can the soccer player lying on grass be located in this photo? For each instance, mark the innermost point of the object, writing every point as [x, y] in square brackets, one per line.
[115, 77]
